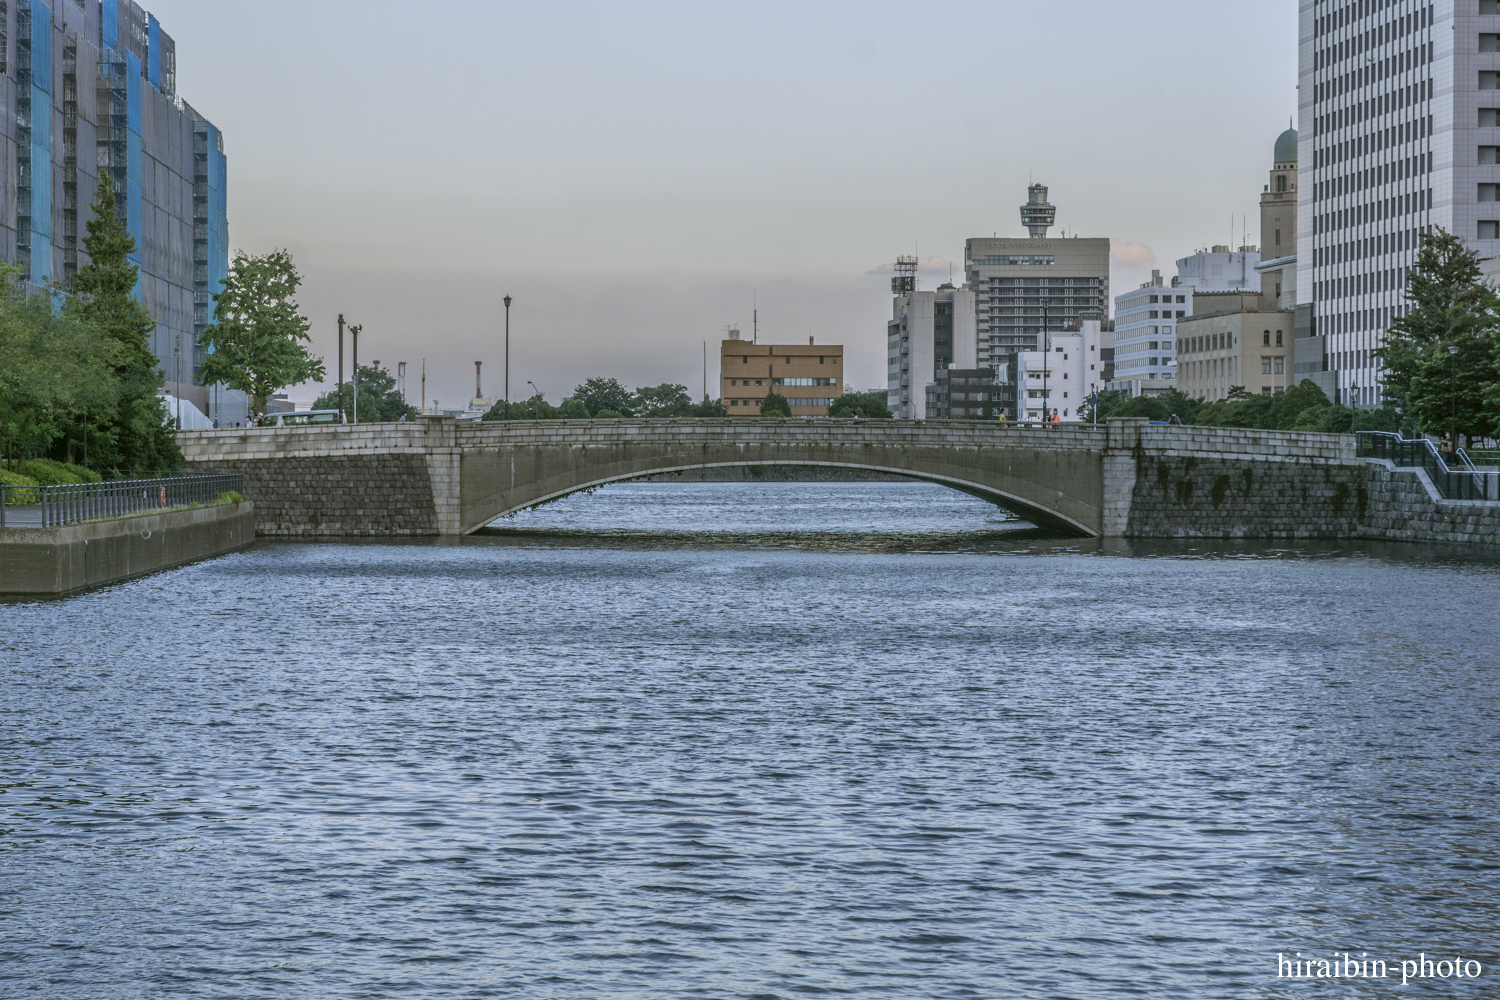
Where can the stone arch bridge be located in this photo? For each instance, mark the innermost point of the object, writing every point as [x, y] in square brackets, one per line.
[439, 476]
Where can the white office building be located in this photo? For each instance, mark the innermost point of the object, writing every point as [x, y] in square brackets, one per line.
[1400, 127]
[928, 331]
[1062, 377]
[1146, 319]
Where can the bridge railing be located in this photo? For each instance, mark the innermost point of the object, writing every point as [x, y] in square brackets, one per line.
[1452, 483]
[57, 506]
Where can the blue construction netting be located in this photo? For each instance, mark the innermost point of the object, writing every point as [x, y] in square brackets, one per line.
[41, 47]
[109, 26]
[133, 155]
[153, 51]
[41, 184]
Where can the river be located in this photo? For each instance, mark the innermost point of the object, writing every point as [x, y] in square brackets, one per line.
[753, 741]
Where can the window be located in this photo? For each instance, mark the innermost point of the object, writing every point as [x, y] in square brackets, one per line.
[1489, 117]
[1280, 366]
[1265, 366]
[1487, 43]
[759, 382]
[1265, 339]
[1487, 80]
[1487, 154]
[1278, 338]
[1181, 298]
[1489, 230]
[1152, 299]
[1151, 346]
[1487, 192]
[1151, 314]
[1487, 7]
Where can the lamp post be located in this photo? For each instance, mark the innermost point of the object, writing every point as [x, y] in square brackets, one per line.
[1046, 363]
[354, 370]
[533, 387]
[341, 370]
[507, 357]
[1453, 395]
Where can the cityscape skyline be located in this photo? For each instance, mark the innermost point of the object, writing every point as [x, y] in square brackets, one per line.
[696, 185]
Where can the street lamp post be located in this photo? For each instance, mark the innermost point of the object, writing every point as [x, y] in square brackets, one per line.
[507, 357]
[1453, 395]
[342, 411]
[1046, 364]
[354, 371]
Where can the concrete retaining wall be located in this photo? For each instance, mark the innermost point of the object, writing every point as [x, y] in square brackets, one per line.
[55, 561]
[1404, 507]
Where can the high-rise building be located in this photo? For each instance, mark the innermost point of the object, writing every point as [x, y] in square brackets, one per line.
[88, 91]
[1020, 284]
[1399, 108]
[927, 332]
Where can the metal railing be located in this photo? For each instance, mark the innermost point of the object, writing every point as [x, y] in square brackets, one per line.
[56, 506]
[1452, 483]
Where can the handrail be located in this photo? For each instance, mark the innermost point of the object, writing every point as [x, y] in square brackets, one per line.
[1451, 484]
[71, 503]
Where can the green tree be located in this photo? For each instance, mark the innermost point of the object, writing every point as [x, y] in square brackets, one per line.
[871, 404]
[1451, 308]
[535, 408]
[54, 367]
[604, 394]
[573, 409]
[710, 408]
[665, 400]
[379, 399]
[258, 341]
[775, 405]
[137, 431]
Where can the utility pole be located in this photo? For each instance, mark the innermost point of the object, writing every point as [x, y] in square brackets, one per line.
[705, 371]
[424, 385]
[507, 357]
[1046, 364]
[1453, 394]
[341, 370]
[354, 373]
[177, 386]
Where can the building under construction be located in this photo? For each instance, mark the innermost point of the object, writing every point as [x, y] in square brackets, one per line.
[89, 92]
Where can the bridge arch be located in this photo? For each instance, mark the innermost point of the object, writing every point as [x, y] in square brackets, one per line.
[1019, 506]
[1049, 478]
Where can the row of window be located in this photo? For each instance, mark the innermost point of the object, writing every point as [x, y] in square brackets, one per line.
[1366, 145]
[1372, 177]
[745, 359]
[791, 401]
[803, 381]
[1376, 141]
[1378, 211]
[1370, 246]
[1366, 75]
[1360, 284]
[1167, 298]
[1029, 282]
[1209, 342]
[1380, 34]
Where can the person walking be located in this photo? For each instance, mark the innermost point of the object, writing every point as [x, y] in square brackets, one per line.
[1446, 448]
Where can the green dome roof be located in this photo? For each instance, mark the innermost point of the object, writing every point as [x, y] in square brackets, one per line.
[1286, 147]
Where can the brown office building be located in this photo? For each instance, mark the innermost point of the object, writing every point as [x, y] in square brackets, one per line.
[810, 376]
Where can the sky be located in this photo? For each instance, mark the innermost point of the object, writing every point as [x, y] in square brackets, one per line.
[639, 176]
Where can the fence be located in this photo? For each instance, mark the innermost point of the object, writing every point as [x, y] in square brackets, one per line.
[1451, 483]
[55, 506]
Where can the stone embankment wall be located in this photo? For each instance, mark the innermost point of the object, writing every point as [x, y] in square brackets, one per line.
[54, 561]
[374, 480]
[1219, 482]
[1403, 507]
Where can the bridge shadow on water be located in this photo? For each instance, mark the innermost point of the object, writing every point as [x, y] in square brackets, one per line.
[893, 517]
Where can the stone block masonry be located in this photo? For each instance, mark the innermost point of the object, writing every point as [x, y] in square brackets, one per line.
[1132, 480]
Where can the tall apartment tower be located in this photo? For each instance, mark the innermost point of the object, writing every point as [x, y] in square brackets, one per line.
[928, 332]
[1021, 283]
[1398, 106]
[88, 91]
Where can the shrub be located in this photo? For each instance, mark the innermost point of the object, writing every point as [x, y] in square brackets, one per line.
[230, 497]
[608, 415]
[51, 473]
[19, 496]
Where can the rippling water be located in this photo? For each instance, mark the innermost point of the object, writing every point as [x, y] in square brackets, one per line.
[641, 744]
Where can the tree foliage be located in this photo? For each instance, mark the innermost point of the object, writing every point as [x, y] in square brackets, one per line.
[1452, 308]
[600, 394]
[379, 399]
[137, 431]
[259, 339]
[665, 400]
[775, 405]
[54, 367]
[871, 404]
